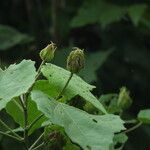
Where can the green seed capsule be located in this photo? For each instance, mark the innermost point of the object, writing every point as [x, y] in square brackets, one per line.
[47, 54]
[75, 60]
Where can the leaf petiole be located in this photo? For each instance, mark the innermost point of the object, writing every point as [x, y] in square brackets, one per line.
[33, 145]
[9, 129]
[133, 128]
[11, 136]
[62, 91]
[34, 121]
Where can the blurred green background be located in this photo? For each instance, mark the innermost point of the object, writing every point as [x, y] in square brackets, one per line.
[115, 35]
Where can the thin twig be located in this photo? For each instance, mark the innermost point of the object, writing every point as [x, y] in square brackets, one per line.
[11, 136]
[133, 121]
[133, 128]
[39, 146]
[9, 129]
[39, 138]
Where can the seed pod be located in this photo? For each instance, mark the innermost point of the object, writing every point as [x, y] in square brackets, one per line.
[75, 60]
[47, 54]
[124, 99]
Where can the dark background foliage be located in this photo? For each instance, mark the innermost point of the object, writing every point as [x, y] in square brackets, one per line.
[115, 35]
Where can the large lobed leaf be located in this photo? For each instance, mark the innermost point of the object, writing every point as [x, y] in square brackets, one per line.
[15, 110]
[89, 131]
[16, 80]
[58, 77]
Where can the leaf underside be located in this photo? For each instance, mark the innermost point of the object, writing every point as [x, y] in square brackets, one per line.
[89, 131]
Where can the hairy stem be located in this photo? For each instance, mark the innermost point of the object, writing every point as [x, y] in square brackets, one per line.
[62, 91]
[34, 144]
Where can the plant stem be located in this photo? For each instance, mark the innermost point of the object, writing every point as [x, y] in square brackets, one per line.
[25, 121]
[36, 77]
[34, 121]
[39, 70]
[9, 129]
[24, 102]
[33, 145]
[11, 136]
[133, 121]
[62, 91]
[21, 101]
[42, 144]
[133, 128]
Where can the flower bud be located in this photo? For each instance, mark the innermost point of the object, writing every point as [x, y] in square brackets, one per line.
[47, 54]
[75, 60]
[124, 99]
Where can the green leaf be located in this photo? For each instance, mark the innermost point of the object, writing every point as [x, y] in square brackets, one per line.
[118, 139]
[58, 77]
[110, 103]
[144, 116]
[70, 146]
[16, 80]
[93, 62]
[98, 12]
[136, 11]
[44, 86]
[10, 37]
[89, 131]
[15, 110]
